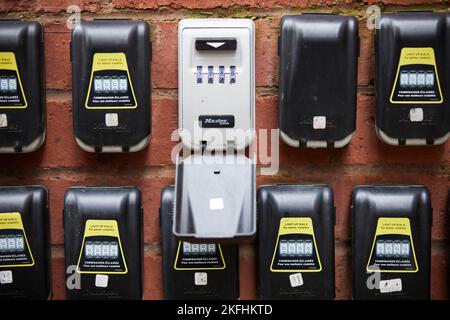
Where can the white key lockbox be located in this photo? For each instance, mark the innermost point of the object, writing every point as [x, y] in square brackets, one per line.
[215, 194]
[217, 83]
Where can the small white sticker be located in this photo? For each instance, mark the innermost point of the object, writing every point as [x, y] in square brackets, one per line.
[111, 119]
[393, 285]
[101, 281]
[216, 204]
[201, 278]
[416, 114]
[6, 277]
[319, 122]
[296, 280]
[3, 120]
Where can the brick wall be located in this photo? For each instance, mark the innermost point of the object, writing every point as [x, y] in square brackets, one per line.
[60, 163]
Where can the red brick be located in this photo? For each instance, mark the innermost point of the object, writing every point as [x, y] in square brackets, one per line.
[153, 286]
[164, 123]
[53, 6]
[366, 60]
[247, 272]
[267, 52]
[58, 278]
[62, 5]
[58, 71]
[343, 272]
[165, 58]
[61, 164]
[403, 2]
[439, 273]
[224, 4]
[151, 192]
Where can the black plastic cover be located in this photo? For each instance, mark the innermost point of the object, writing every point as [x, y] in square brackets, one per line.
[369, 204]
[25, 117]
[412, 30]
[28, 282]
[318, 70]
[180, 284]
[276, 202]
[120, 204]
[133, 122]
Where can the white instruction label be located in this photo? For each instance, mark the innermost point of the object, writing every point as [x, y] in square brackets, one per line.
[393, 285]
[6, 277]
[101, 280]
[3, 120]
[201, 278]
[296, 280]
[319, 122]
[111, 119]
[416, 114]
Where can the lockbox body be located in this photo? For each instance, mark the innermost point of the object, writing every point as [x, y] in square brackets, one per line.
[391, 242]
[195, 270]
[216, 70]
[318, 71]
[22, 91]
[111, 85]
[216, 62]
[296, 242]
[24, 243]
[103, 236]
[412, 78]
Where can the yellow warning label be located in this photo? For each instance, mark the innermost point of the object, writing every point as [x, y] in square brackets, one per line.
[110, 85]
[12, 95]
[393, 247]
[199, 256]
[101, 249]
[14, 247]
[296, 247]
[417, 78]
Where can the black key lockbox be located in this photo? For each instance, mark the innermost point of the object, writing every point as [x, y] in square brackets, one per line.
[412, 78]
[193, 270]
[296, 242]
[391, 242]
[318, 70]
[24, 243]
[22, 92]
[111, 85]
[103, 238]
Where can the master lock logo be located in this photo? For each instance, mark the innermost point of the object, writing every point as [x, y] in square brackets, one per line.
[216, 121]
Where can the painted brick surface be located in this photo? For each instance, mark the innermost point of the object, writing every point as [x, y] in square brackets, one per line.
[61, 163]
